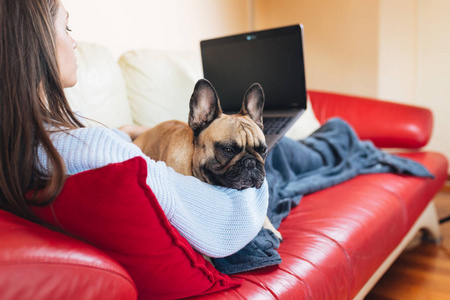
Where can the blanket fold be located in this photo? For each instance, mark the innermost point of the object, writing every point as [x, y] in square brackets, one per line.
[329, 156]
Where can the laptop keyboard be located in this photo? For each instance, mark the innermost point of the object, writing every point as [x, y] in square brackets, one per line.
[274, 125]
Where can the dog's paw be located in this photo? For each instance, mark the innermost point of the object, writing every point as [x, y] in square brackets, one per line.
[278, 235]
[268, 225]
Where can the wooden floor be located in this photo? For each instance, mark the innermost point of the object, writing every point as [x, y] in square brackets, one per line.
[423, 272]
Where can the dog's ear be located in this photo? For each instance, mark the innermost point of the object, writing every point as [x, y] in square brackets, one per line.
[253, 104]
[204, 106]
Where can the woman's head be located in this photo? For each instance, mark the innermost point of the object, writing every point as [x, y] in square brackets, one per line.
[36, 62]
[65, 46]
[34, 40]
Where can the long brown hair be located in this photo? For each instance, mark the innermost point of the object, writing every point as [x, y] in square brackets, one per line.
[32, 100]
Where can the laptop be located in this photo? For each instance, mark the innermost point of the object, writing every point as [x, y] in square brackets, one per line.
[273, 58]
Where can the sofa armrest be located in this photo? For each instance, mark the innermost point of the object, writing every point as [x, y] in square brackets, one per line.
[38, 263]
[386, 124]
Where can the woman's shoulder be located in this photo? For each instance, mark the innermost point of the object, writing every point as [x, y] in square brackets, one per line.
[91, 135]
[88, 132]
[92, 147]
[92, 130]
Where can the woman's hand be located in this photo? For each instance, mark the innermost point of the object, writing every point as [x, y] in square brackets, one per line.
[134, 130]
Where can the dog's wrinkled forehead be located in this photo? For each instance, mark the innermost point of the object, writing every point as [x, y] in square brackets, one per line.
[240, 129]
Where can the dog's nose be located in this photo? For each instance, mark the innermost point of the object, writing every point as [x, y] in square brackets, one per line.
[249, 163]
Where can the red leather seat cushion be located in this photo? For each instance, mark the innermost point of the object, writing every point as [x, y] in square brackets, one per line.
[336, 238]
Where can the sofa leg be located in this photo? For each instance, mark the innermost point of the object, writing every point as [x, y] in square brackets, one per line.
[428, 223]
[431, 229]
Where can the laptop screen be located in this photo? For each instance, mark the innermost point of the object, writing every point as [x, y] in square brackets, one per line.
[273, 58]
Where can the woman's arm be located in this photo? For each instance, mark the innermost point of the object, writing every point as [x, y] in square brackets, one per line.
[216, 221]
[134, 130]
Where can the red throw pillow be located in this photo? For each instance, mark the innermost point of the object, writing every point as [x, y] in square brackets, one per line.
[113, 209]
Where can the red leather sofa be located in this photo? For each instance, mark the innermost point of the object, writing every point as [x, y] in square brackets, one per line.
[337, 242]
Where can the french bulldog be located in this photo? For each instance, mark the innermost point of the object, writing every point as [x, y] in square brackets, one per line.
[219, 149]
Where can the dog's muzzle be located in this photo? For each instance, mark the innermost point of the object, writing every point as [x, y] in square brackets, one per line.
[250, 173]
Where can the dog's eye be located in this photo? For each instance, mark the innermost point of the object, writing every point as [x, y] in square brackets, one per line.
[228, 151]
[262, 150]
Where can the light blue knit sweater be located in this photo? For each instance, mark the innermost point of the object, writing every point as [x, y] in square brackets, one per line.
[216, 221]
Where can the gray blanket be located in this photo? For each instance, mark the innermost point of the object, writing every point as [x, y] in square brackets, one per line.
[331, 155]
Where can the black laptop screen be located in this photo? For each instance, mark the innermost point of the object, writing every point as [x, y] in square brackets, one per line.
[273, 58]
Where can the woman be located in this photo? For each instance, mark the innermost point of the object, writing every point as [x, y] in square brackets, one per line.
[42, 140]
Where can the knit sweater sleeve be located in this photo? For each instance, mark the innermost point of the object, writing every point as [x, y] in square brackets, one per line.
[216, 221]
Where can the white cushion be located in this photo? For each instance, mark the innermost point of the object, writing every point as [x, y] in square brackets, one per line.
[305, 125]
[160, 84]
[100, 93]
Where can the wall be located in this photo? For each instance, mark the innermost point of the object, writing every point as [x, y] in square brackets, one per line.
[156, 24]
[397, 50]
[433, 67]
[414, 59]
[341, 39]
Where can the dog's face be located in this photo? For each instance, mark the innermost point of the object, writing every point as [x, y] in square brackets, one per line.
[229, 150]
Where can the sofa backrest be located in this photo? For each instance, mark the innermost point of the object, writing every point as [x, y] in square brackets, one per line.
[160, 83]
[144, 87]
[100, 93]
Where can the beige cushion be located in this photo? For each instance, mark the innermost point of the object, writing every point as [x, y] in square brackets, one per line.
[305, 125]
[100, 93]
[160, 83]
